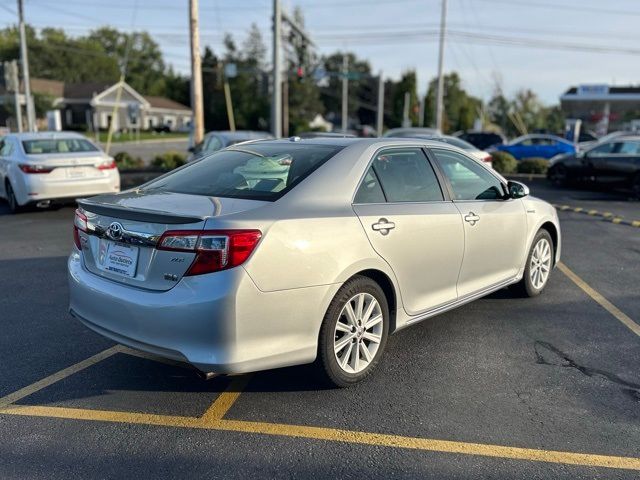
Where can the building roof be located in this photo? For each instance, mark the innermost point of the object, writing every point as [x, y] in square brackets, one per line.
[612, 90]
[84, 90]
[163, 102]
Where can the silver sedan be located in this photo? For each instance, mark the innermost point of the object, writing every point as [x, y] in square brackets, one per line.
[284, 252]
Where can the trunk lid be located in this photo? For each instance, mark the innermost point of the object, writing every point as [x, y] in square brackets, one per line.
[70, 165]
[141, 217]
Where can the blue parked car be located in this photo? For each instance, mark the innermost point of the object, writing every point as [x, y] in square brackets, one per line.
[537, 145]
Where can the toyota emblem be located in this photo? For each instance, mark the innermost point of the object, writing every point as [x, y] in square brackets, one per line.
[115, 231]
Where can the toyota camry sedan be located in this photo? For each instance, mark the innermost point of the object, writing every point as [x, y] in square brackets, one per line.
[38, 168]
[286, 252]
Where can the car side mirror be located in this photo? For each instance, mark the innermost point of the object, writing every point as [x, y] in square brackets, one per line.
[517, 189]
[191, 149]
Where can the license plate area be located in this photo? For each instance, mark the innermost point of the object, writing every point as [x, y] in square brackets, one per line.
[118, 258]
[73, 173]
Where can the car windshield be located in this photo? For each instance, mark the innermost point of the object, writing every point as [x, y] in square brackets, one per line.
[260, 172]
[58, 145]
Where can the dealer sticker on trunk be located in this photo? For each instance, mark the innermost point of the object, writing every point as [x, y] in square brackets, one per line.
[118, 258]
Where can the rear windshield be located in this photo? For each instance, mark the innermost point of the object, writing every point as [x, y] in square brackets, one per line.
[261, 172]
[58, 145]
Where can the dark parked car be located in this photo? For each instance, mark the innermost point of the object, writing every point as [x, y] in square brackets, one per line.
[214, 141]
[482, 140]
[615, 163]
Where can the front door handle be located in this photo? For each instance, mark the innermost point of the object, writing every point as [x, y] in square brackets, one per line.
[383, 226]
[472, 218]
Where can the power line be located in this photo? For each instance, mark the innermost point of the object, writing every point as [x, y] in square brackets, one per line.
[573, 8]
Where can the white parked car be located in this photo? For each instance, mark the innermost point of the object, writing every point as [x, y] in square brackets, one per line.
[37, 168]
[283, 252]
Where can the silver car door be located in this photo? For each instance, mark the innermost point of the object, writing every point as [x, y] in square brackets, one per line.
[495, 226]
[412, 226]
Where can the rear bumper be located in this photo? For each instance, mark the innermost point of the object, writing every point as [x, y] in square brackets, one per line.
[37, 187]
[218, 322]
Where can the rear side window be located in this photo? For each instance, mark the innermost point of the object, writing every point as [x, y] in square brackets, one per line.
[255, 171]
[405, 175]
[370, 190]
[58, 145]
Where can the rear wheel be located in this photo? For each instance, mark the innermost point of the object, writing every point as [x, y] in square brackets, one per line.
[538, 266]
[353, 333]
[11, 198]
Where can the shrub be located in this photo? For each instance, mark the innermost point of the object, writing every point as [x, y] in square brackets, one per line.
[504, 162]
[533, 165]
[125, 161]
[169, 160]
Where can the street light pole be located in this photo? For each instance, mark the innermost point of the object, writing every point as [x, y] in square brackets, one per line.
[196, 74]
[380, 113]
[345, 92]
[276, 98]
[440, 92]
[25, 69]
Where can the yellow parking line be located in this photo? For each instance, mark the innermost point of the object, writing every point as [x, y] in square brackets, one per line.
[226, 399]
[101, 415]
[335, 435]
[427, 444]
[56, 377]
[599, 298]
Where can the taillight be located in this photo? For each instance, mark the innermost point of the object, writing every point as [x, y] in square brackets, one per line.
[26, 168]
[487, 159]
[215, 249]
[107, 165]
[79, 223]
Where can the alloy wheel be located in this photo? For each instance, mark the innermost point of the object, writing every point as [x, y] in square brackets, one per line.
[358, 333]
[540, 265]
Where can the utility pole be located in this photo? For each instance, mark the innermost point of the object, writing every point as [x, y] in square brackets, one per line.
[345, 92]
[276, 98]
[406, 122]
[196, 74]
[31, 124]
[380, 113]
[12, 84]
[421, 112]
[440, 92]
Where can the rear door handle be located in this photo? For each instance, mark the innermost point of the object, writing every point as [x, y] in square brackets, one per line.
[472, 218]
[383, 226]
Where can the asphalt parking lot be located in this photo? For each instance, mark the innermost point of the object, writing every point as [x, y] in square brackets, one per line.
[501, 388]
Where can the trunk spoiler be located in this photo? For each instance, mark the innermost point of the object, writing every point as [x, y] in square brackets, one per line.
[137, 214]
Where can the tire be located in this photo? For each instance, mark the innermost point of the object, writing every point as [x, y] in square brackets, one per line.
[538, 267]
[11, 198]
[341, 367]
[635, 186]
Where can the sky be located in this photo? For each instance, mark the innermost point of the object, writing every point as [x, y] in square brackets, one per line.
[544, 45]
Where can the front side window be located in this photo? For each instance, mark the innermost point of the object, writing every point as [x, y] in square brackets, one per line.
[58, 145]
[406, 176]
[468, 179]
[257, 171]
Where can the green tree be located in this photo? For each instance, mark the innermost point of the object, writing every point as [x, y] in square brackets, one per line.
[304, 93]
[362, 88]
[408, 83]
[460, 108]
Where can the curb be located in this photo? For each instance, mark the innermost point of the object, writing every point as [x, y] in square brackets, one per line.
[528, 176]
[606, 216]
